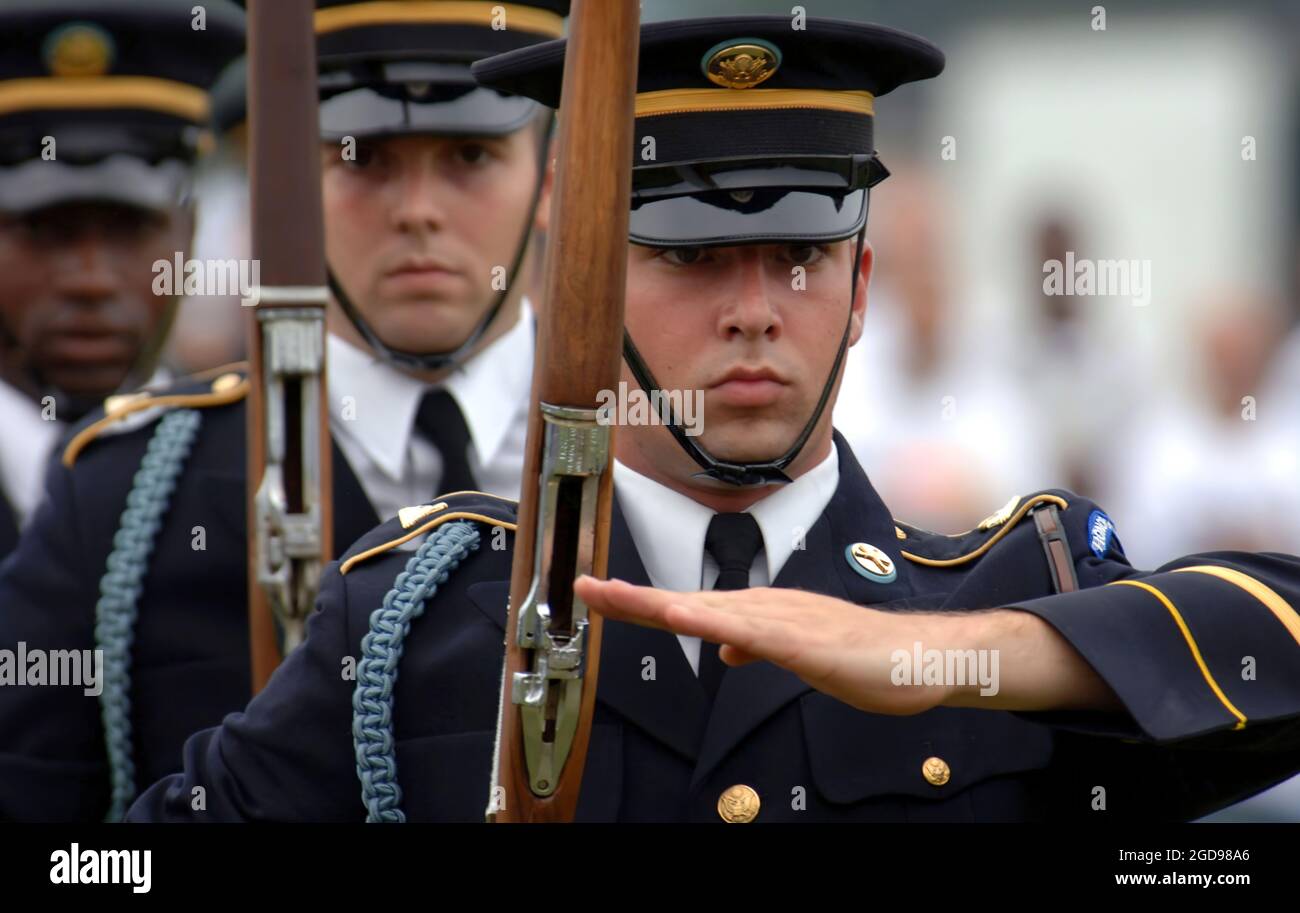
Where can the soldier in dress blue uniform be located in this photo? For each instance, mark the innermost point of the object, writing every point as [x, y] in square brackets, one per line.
[1120, 693]
[430, 184]
[98, 138]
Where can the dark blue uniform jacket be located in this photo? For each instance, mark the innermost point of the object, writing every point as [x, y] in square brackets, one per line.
[1198, 732]
[190, 663]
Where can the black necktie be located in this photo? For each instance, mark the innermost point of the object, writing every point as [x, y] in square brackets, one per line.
[440, 420]
[733, 540]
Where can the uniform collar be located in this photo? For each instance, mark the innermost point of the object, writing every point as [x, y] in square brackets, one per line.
[22, 469]
[489, 389]
[669, 528]
[15, 401]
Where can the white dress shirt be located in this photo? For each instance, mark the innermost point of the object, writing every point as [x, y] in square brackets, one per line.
[27, 441]
[668, 529]
[372, 417]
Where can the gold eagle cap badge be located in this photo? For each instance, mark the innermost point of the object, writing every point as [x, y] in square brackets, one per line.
[741, 63]
[79, 49]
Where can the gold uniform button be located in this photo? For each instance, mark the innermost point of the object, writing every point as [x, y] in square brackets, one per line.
[739, 804]
[936, 771]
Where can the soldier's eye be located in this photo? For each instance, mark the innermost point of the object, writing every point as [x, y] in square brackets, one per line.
[804, 254]
[360, 157]
[129, 224]
[684, 256]
[472, 153]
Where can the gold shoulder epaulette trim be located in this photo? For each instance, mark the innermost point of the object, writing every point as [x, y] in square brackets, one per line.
[229, 387]
[1006, 518]
[409, 516]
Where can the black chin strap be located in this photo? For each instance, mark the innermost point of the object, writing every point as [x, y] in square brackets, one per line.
[745, 475]
[435, 361]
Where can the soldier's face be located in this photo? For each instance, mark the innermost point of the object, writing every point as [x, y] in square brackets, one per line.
[756, 338]
[77, 307]
[421, 231]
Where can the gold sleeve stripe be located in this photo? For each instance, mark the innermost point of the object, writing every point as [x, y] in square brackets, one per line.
[419, 531]
[687, 101]
[137, 403]
[453, 12]
[75, 92]
[1275, 603]
[988, 543]
[1191, 644]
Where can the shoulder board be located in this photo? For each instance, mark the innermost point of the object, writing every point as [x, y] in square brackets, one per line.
[939, 550]
[129, 411]
[413, 522]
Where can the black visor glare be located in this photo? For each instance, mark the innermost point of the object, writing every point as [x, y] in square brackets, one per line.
[748, 216]
[423, 108]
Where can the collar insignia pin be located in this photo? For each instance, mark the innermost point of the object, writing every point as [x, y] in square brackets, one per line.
[871, 562]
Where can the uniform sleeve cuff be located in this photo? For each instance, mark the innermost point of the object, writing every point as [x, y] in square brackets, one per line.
[1132, 640]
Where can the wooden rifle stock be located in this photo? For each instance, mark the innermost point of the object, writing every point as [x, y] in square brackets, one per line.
[567, 486]
[289, 512]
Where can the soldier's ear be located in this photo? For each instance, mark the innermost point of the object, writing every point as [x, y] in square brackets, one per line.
[860, 293]
[542, 219]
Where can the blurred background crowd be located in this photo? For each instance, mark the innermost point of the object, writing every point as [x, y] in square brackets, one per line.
[1170, 137]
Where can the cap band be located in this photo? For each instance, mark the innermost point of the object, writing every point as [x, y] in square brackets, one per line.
[682, 101]
[139, 92]
[458, 12]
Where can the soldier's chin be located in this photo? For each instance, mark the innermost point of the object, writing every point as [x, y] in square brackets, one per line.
[747, 442]
[439, 329]
[89, 381]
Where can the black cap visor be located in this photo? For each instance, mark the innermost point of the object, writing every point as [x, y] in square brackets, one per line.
[420, 98]
[811, 198]
[122, 179]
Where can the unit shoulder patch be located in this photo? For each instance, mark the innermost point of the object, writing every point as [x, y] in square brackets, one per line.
[1102, 537]
[939, 550]
[128, 412]
[411, 523]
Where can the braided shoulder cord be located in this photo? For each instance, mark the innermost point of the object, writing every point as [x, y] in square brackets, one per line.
[381, 652]
[119, 588]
